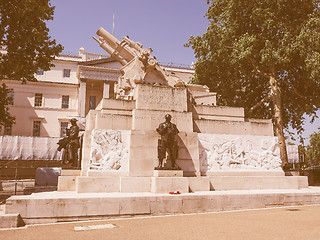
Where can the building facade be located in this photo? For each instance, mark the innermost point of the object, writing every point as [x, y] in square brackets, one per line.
[73, 87]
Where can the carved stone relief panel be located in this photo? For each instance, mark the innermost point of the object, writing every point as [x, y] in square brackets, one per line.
[235, 152]
[109, 150]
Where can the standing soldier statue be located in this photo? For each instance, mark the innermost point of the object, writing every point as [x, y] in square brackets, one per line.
[71, 144]
[167, 143]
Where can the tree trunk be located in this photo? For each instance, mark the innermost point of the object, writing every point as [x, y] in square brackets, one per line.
[276, 99]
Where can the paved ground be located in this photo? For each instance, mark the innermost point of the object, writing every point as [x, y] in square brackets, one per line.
[278, 223]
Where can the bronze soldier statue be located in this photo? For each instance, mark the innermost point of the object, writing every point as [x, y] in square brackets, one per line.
[71, 144]
[167, 143]
[74, 143]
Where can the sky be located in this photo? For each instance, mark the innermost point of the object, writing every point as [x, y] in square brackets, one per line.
[163, 25]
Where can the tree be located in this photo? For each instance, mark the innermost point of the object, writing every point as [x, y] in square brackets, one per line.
[24, 37]
[263, 55]
[5, 99]
[312, 152]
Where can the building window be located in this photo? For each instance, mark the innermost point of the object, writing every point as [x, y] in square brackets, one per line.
[63, 129]
[40, 71]
[92, 102]
[7, 130]
[38, 100]
[66, 73]
[36, 128]
[10, 98]
[65, 101]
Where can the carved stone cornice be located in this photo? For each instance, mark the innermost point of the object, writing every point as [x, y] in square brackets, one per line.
[98, 73]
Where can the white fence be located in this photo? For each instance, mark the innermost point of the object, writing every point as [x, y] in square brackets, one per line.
[29, 148]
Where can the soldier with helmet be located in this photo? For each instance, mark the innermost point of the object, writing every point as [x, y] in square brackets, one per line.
[74, 143]
[71, 144]
[167, 143]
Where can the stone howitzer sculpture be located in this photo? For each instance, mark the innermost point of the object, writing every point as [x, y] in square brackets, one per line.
[138, 64]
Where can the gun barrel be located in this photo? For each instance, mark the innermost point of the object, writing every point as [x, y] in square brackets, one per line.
[112, 41]
[117, 49]
[104, 45]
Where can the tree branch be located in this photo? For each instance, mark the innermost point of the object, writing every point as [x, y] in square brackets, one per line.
[258, 104]
[255, 69]
[295, 90]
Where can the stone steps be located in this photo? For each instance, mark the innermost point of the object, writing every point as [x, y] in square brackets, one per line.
[97, 184]
[13, 220]
[71, 206]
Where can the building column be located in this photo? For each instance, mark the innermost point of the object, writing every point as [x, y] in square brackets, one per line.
[106, 89]
[82, 98]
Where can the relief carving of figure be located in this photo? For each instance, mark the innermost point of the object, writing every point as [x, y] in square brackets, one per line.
[220, 152]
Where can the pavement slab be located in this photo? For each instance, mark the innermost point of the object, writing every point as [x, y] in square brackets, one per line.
[290, 223]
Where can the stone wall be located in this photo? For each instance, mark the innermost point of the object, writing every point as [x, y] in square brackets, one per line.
[264, 128]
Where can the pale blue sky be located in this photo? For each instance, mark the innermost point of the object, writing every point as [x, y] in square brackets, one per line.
[162, 25]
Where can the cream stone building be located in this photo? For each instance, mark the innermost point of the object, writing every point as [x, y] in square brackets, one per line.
[73, 87]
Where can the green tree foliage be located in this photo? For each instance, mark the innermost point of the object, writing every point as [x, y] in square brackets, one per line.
[24, 37]
[312, 153]
[24, 34]
[5, 101]
[264, 56]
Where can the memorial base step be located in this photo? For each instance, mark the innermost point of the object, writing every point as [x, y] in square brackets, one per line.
[13, 220]
[72, 206]
[102, 184]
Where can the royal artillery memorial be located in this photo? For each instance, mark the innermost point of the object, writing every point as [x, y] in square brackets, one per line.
[224, 160]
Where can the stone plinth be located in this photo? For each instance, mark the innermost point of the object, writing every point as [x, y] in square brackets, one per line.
[169, 184]
[168, 173]
[163, 184]
[149, 120]
[134, 153]
[70, 172]
[143, 153]
[97, 184]
[218, 113]
[188, 155]
[227, 183]
[113, 121]
[245, 173]
[13, 220]
[135, 184]
[263, 128]
[68, 206]
[86, 152]
[116, 104]
[160, 98]
[67, 183]
[199, 184]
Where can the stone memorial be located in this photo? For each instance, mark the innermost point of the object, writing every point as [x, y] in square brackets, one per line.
[121, 140]
[216, 148]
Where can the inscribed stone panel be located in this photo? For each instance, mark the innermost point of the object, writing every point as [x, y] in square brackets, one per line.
[113, 121]
[149, 120]
[160, 98]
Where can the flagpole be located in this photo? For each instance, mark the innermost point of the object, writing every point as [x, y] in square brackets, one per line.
[113, 24]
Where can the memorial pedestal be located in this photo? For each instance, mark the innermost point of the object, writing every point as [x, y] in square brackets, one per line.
[168, 173]
[169, 184]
